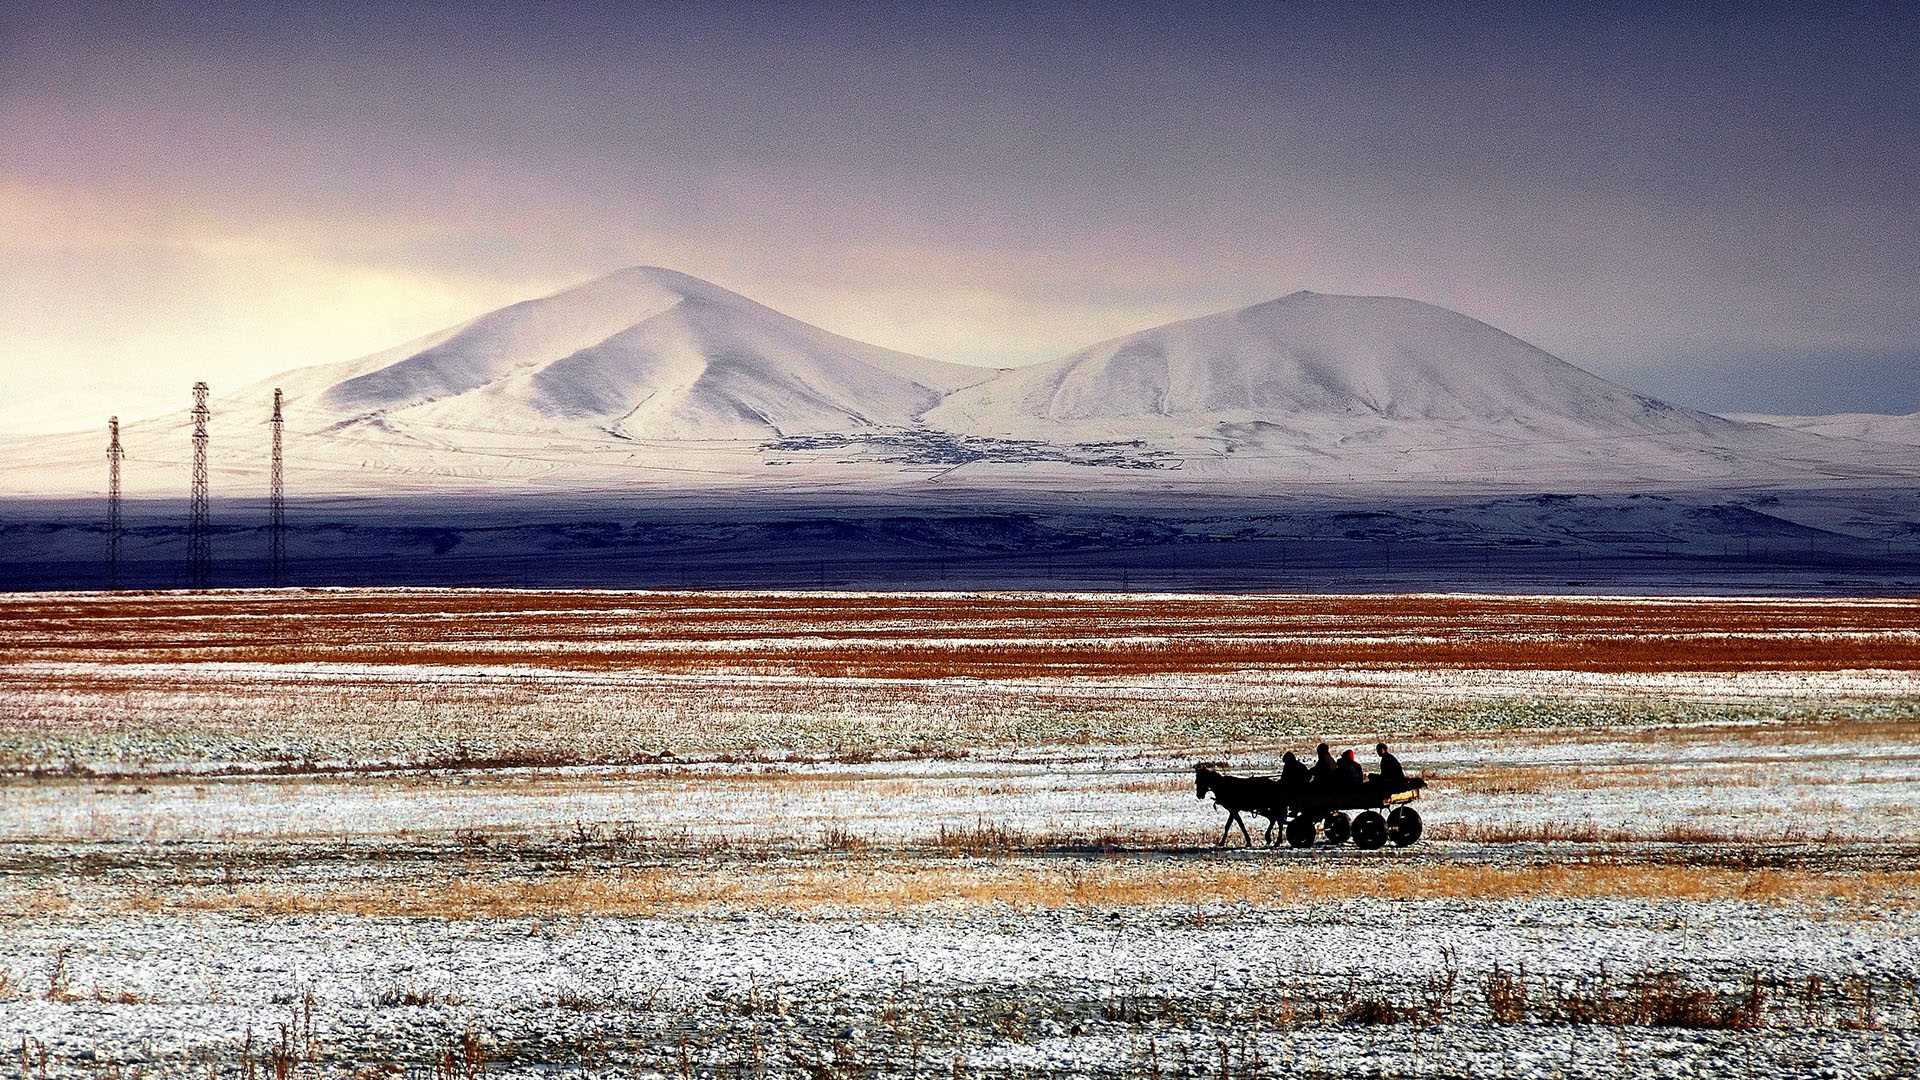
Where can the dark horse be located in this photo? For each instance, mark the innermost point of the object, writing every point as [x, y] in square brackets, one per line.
[1261, 795]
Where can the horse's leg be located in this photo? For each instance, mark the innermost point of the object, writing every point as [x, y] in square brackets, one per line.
[1225, 829]
[1243, 828]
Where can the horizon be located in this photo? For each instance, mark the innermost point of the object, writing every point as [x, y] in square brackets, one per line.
[1658, 197]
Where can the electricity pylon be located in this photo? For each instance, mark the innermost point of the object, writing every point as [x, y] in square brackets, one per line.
[199, 544]
[114, 454]
[276, 504]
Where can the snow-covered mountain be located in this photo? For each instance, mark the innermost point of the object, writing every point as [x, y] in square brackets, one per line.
[1350, 369]
[651, 378]
[1370, 388]
[643, 353]
[1903, 430]
[580, 389]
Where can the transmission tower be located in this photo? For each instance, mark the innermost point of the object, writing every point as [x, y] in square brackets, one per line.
[114, 454]
[276, 504]
[199, 544]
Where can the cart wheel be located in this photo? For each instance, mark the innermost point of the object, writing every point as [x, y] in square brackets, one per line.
[1300, 832]
[1369, 831]
[1403, 826]
[1338, 828]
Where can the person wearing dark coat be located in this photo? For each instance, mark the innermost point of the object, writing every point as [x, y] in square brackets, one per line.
[1351, 775]
[1293, 786]
[1293, 775]
[1323, 765]
[1392, 776]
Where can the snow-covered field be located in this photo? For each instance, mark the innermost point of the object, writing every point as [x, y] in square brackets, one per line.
[312, 867]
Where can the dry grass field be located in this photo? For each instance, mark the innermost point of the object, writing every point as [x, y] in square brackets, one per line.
[989, 636]
[463, 834]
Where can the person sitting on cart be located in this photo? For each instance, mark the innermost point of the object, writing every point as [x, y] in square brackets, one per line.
[1325, 770]
[1351, 776]
[1293, 775]
[1293, 781]
[1392, 776]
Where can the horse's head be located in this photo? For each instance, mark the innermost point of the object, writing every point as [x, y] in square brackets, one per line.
[1206, 777]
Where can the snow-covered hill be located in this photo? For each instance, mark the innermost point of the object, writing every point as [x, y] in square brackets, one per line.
[1903, 430]
[1351, 356]
[1338, 377]
[644, 353]
[644, 375]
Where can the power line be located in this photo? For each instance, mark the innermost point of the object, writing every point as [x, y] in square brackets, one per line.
[199, 543]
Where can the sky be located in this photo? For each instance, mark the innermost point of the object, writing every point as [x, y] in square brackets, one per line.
[1717, 204]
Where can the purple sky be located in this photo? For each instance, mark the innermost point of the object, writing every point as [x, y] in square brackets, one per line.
[1718, 205]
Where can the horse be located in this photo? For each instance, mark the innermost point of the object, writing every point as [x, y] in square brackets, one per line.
[1261, 795]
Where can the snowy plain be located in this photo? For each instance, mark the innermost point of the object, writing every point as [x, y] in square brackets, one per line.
[523, 868]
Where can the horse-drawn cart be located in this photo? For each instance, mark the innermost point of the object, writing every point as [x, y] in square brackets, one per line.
[1303, 813]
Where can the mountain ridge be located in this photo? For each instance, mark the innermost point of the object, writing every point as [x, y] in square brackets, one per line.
[648, 375]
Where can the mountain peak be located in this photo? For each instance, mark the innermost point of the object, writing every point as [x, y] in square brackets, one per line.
[659, 277]
[643, 352]
[640, 290]
[1358, 307]
[1310, 361]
